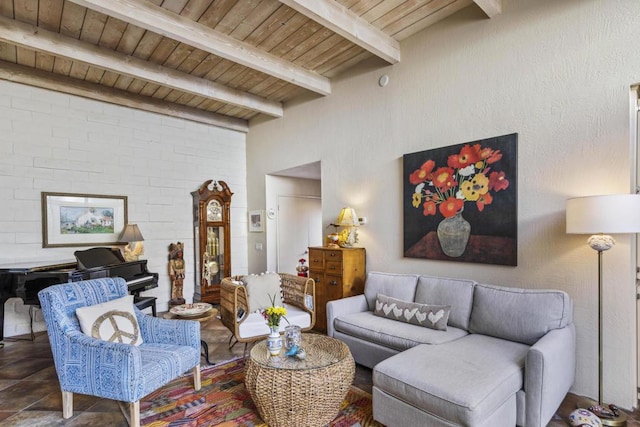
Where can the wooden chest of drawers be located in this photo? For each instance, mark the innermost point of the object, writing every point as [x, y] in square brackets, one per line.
[338, 273]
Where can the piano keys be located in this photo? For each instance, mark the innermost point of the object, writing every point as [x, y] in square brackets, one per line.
[26, 280]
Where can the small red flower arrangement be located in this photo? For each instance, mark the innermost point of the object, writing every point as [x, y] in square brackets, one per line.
[468, 177]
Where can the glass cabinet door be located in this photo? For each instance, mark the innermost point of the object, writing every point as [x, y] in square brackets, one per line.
[213, 257]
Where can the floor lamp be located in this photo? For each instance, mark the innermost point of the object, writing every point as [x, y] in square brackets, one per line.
[596, 215]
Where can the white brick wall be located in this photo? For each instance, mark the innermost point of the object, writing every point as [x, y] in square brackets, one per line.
[61, 143]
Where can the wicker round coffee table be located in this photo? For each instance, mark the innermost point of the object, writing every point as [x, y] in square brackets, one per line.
[290, 392]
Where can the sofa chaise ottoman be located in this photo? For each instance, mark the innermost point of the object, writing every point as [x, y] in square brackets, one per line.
[506, 356]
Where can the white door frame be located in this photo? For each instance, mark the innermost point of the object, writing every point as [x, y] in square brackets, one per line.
[634, 135]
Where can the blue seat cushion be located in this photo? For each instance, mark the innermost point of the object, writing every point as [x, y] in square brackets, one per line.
[161, 363]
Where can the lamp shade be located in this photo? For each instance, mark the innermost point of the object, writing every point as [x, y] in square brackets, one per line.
[608, 214]
[347, 218]
[131, 233]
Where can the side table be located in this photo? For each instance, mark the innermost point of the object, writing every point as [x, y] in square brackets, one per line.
[291, 392]
[201, 318]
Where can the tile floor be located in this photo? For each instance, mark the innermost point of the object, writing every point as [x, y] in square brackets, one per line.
[30, 396]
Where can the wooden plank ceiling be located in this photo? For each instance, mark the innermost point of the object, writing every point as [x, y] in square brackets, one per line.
[220, 62]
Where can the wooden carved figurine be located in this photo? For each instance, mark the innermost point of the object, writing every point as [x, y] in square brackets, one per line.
[176, 273]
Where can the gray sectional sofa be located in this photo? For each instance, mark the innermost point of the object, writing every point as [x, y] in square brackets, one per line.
[506, 358]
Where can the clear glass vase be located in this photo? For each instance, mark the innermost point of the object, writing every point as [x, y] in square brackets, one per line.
[292, 336]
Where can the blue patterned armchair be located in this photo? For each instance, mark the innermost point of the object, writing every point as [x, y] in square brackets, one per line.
[114, 370]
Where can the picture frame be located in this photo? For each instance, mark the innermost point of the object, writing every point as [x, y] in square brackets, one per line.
[460, 202]
[70, 219]
[256, 221]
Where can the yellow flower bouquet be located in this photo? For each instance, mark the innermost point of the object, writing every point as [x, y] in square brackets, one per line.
[274, 313]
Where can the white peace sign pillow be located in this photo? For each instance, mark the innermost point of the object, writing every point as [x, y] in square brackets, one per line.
[113, 321]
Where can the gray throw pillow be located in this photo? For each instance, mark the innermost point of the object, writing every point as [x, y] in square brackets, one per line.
[429, 316]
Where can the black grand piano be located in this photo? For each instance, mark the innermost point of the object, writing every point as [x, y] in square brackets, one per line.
[25, 281]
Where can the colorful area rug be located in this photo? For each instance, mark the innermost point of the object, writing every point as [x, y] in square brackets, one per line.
[224, 401]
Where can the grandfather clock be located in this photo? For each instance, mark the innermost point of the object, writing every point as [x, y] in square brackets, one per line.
[212, 239]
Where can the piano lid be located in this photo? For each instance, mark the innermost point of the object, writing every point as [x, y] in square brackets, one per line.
[98, 257]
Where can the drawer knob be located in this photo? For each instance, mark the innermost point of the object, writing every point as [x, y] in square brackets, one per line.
[333, 282]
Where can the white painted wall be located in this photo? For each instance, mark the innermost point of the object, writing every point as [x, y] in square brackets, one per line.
[60, 143]
[556, 72]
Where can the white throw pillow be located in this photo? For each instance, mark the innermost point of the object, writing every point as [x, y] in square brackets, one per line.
[261, 288]
[113, 321]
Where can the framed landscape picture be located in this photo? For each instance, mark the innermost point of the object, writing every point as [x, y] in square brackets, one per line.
[460, 202]
[82, 219]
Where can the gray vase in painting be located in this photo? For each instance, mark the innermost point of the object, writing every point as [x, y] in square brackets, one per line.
[453, 235]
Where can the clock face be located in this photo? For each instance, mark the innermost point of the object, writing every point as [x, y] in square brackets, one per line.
[214, 211]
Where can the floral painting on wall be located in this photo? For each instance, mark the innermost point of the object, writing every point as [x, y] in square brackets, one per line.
[460, 202]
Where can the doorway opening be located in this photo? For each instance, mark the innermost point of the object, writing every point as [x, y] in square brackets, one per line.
[294, 215]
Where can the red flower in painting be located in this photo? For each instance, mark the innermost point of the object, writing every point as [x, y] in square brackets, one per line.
[494, 157]
[422, 174]
[483, 200]
[451, 206]
[429, 208]
[467, 156]
[497, 181]
[443, 179]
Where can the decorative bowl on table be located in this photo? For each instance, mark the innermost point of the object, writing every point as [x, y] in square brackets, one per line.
[191, 310]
